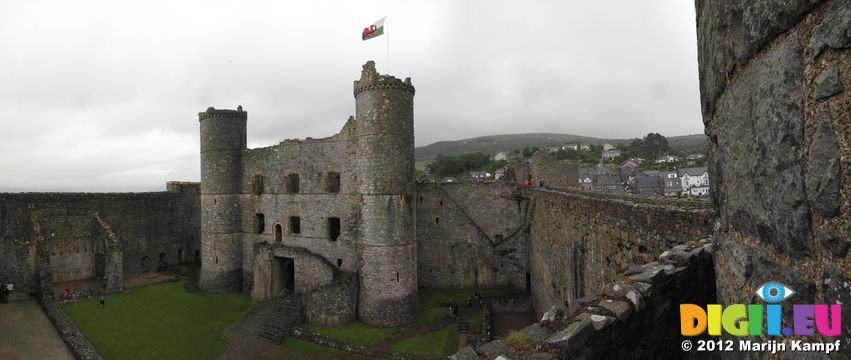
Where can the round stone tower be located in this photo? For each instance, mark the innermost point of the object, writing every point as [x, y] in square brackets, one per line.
[384, 109]
[222, 149]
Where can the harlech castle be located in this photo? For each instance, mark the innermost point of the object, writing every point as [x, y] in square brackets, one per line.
[341, 225]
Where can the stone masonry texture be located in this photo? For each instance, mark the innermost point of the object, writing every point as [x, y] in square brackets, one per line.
[777, 117]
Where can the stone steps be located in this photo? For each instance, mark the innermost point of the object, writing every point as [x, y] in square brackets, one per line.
[287, 314]
[464, 327]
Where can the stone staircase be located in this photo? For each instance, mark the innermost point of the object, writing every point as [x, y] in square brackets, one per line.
[464, 327]
[286, 315]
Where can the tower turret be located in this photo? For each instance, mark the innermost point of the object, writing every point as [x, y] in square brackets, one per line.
[223, 145]
[384, 109]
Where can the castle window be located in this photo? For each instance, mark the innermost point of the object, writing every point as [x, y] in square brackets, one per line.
[278, 232]
[421, 199]
[258, 184]
[292, 183]
[295, 225]
[437, 220]
[333, 228]
[259, 223]
[339, 262]
[333, 182]
[397, 277]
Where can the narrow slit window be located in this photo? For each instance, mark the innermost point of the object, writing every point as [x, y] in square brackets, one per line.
[333, 228]
[437, 220]
[279, 233]
[339, 262]
[259, 223]
[258, 184]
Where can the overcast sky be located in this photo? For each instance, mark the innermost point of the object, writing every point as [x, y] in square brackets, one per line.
[104, 95]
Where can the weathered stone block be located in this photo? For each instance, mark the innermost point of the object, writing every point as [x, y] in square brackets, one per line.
[834, 31]
[619, 309]
[497, 347]
[760, 151]
[536, 332]
[732, 32]
[574, 336]
[824, 174]
[827, 84]
[466, 353]
[837, 246]
[601, 321]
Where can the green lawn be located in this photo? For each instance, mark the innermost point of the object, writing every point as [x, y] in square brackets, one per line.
[159, 322]
[358, 333]
[430, 300]
[476, 322]
[309, 348]
[355, 332]
[437, 344]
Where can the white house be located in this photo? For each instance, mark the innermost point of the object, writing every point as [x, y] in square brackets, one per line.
[694, 177]
[502, 155]
[699, 190]
[570, 146]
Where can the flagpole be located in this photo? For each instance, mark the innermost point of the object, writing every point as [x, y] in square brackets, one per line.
[386, 32]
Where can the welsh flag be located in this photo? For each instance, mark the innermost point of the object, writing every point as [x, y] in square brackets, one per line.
[373, 30]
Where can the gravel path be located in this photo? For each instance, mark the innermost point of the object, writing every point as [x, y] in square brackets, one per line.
[26, 333]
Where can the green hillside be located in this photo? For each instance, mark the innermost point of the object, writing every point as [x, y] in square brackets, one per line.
[686, 144]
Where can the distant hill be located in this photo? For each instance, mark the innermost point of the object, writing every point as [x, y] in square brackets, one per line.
[685, 144]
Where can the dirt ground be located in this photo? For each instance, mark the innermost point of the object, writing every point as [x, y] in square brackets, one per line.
[26, 333]
[504, 322]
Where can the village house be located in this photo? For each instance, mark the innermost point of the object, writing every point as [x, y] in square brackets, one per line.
[691, 177]
[667, 159]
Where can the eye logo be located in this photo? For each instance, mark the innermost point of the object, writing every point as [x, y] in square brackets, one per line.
[773, 292]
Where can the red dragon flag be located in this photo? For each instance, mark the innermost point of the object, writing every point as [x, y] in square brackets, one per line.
[373, 30]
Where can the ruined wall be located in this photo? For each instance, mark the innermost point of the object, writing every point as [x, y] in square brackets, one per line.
[334, 304]
[146, 224]
[555, 174]
[774, 92]
[580, 239]
[634, 316]
[310, 271]
[314, 161]
[471, 235]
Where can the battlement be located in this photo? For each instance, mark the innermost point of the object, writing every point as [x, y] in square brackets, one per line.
[213, 113]
[183, 186]
[370, 80]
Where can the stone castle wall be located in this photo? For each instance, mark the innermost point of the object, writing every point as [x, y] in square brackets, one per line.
[580, 239]
[146, 224]
[315, 161]
[774, 83]
[471, 235]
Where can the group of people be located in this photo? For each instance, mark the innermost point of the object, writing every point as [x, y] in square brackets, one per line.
[71, 294]
[453, 307]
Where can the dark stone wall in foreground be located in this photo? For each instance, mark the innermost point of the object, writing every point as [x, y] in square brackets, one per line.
[774, 90]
